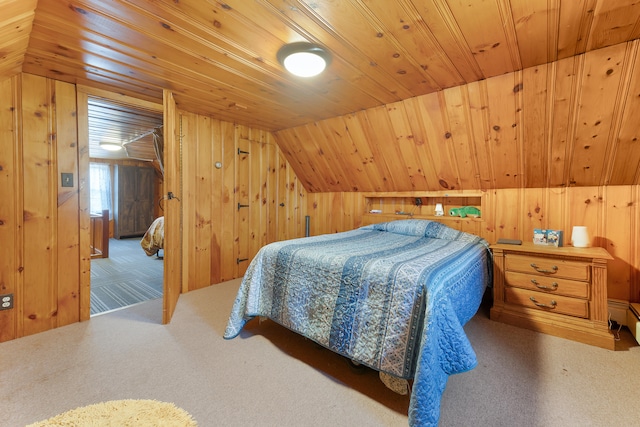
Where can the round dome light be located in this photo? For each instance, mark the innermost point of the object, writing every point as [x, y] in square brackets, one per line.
[303, 59]
[110, 145]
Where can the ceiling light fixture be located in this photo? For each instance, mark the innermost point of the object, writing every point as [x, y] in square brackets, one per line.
[110, 145]
[303, 59]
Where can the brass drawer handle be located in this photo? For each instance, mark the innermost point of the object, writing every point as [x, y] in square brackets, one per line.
[553, 286]
[539, 304]
[553, 270]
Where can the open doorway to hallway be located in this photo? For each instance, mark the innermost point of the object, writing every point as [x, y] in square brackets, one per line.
[126, 182]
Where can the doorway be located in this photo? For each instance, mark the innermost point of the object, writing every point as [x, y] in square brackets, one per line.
[126, 182]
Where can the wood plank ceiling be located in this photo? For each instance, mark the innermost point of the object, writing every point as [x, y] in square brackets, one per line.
[219, 57]
[129, 126]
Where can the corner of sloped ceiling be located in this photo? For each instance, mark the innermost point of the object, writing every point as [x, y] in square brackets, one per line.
[567, 123]
[16, 24]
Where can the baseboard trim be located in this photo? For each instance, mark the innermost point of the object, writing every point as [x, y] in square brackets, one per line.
[618, 310]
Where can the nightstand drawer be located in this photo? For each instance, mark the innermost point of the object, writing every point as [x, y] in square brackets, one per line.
[551, 285]
[547, 266]
[550, 303]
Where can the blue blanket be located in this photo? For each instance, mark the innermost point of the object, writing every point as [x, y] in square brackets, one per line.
[393, 296]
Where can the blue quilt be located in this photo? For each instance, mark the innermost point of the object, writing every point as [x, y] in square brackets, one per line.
[392, 296]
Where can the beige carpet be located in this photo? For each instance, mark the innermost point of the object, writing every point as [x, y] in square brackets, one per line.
[269, 376]
[122, 413]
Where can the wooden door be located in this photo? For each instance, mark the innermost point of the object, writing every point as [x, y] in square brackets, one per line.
[242, 190]
[172, 210]
[251, 201]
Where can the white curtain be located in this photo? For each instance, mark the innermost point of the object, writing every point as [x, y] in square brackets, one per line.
[100, 188]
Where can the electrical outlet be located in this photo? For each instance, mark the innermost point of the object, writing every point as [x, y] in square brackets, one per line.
[418, 201]
[6, 302]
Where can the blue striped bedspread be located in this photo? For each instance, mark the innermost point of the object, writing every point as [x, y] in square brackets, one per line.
[392, 296]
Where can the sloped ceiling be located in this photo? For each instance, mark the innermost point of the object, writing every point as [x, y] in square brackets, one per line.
[15, 28]
[219, 59]
[573, 122]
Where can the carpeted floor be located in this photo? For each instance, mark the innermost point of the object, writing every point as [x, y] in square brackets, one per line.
[127, 277]
[271, 377]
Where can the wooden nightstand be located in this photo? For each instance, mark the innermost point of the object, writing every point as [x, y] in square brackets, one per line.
[558, 291]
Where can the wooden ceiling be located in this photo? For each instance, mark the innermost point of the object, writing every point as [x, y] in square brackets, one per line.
[219, 57]
[127, 125]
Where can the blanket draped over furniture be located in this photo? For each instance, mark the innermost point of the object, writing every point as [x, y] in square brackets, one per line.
[153, 239]
[392, 296]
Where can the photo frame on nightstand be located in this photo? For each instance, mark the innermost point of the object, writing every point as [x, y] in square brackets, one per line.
[548, 237]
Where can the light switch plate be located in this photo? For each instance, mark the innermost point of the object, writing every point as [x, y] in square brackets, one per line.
[67, 179]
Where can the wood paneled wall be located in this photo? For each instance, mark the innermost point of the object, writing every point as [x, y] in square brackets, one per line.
[39, 219]
[229, 212]
[41, 223]
[611, 213]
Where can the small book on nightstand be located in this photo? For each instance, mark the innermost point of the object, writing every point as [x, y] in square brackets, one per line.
[509, 241]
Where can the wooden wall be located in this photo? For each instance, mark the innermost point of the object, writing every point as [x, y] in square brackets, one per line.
[39, 219]
[43, 225]
[220, 239]
[611, 213]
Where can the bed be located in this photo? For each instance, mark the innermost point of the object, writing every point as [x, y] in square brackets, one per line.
[392, 296]
[153, 239]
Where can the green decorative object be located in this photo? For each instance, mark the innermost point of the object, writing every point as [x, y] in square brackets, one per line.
[465, 211]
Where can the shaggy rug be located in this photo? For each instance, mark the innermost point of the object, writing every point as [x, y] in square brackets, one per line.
[131, 412]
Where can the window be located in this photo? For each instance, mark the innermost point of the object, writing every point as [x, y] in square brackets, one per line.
[100, 188]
